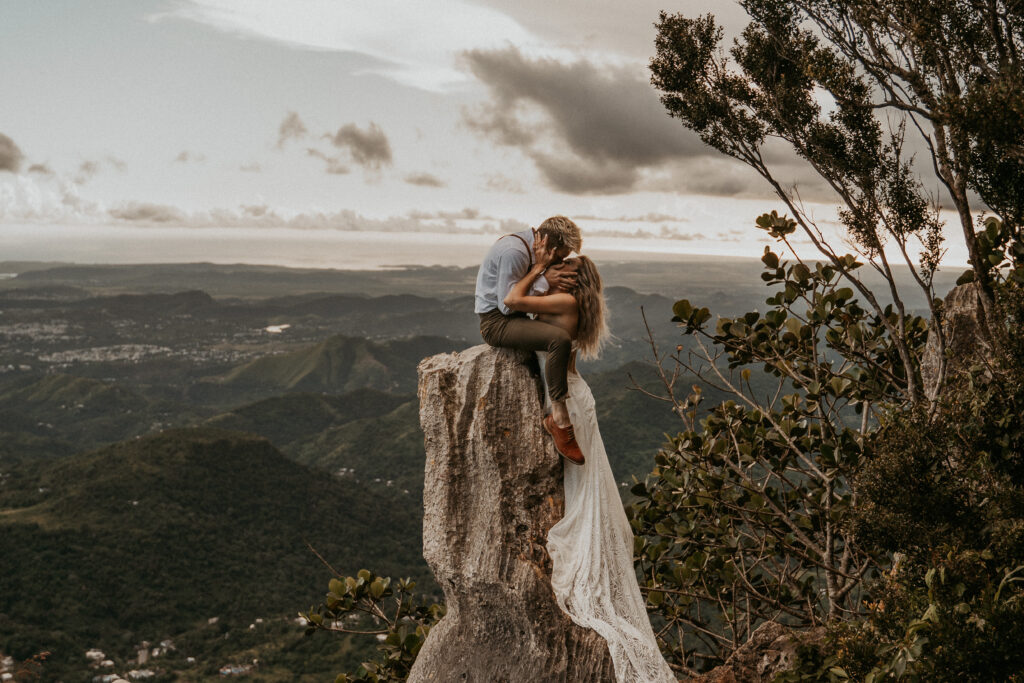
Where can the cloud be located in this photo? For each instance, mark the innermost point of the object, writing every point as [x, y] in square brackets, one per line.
[43, 197]
[370, 148]
[86, 171]
[464, 221]
[413, 43]
[597, 129]
[333, 164]
[467, 213]
[89, 168]
[502, 183]
[424, 180]
[32, 198]
[291, 128]
[187, 157]
[146, 212]
[256, 210]
[650, 217]
[587, 128]
[10, 156]
[568, 174]
[41, 169]
[251, 167]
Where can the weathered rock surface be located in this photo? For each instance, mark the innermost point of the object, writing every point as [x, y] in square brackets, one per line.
[967, 337]
[493, 488]
[770, 650]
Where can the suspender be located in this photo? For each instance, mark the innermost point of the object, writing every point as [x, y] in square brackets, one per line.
[529, 251]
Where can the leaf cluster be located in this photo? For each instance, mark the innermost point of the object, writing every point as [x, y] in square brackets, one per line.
[957, 617]
[370, 605]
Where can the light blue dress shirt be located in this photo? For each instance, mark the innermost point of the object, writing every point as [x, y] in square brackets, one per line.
[506, 263]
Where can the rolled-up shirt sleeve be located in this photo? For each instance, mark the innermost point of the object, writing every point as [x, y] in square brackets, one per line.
[512, 266]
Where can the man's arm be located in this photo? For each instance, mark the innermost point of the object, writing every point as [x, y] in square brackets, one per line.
[519, 298]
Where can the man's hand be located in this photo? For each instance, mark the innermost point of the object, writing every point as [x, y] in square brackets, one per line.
[561, 276]
[543, 253]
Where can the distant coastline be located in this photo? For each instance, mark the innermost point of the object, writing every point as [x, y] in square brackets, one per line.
[334, 249]
[706, 279]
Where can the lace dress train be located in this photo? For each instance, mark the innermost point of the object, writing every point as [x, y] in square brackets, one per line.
[591, 550]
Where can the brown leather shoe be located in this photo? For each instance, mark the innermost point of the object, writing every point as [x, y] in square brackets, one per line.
[565, 441]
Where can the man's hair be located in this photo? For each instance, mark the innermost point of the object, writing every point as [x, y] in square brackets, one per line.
[562, 232]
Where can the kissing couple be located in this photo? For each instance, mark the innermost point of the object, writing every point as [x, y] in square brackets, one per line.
[532, 295]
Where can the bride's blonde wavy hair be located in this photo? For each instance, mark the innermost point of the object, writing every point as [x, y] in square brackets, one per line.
[592, 326]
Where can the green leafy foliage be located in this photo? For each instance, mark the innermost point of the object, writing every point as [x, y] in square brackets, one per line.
[202, 515]
[370, 605]
[781, 506]
[959, 618]
[748, 515]
[943, 493]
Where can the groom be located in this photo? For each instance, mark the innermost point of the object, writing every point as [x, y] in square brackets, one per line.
[506, 263]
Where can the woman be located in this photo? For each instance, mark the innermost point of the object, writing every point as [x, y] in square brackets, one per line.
[591, 547]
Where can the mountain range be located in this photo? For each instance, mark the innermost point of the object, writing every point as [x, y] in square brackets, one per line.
[149, 538]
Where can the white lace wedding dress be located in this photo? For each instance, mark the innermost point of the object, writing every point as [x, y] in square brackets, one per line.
[591, 550]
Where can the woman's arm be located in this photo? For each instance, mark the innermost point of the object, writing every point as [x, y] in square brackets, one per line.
[518, 298]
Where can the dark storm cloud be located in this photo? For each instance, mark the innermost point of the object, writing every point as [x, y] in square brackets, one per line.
[369, 148]
[722, 183]
[332, 165]
[607, 120]
[424, 180]
[602, 113]
[499, 121]
[568, 174]
[291, 128]
[146, 212]
[10, 156]
[595, 129]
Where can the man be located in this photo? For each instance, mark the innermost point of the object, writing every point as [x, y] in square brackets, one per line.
[506, 263]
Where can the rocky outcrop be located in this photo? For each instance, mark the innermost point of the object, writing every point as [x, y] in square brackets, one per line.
[770, 650]
[966, 335]
[493, 488]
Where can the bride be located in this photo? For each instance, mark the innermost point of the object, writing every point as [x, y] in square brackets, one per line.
[591, 547]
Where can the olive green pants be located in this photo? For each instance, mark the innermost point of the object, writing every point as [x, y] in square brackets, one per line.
[519, 332]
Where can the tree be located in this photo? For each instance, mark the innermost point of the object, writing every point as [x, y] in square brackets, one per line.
[753, 513]
[747, 516]
[947, 70]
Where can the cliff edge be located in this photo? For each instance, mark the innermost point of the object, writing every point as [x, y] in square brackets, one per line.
[493, 488]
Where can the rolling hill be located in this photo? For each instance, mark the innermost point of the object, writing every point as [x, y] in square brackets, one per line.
[290, 417]
[146, 538]
[339, 364]
[56, 414]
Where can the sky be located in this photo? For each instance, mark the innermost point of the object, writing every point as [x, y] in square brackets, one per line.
[436, 115]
